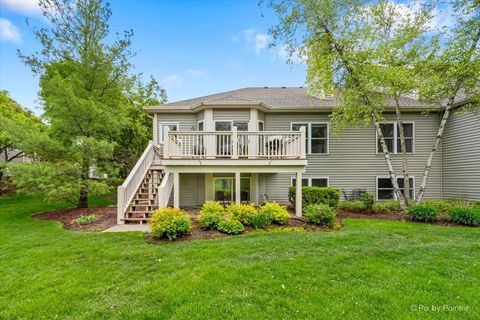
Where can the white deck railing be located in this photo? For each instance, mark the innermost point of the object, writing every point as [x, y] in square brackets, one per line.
[234, 144]
[127, 190]
[164, 190]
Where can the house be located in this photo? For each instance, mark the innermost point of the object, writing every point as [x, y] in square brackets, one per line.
[252, 144]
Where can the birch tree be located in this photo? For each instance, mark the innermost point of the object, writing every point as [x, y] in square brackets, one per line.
[454, 71]
[343, 41]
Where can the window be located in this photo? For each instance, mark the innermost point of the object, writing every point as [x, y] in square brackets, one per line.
[312, 182]
[200, 125]
[172, 125]
[261, 125]
[392, 137]
[316, 136]
[223, 125]
[385, 188]
[224, 189]
[241, 125]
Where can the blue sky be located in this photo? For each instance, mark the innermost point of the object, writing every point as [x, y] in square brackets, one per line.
[192, 48]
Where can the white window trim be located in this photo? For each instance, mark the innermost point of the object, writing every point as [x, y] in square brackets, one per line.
[233, 185]
[198, 125]
[160, 127]
[394, 195]
[395, 138]
[310, 180]
[309, 135]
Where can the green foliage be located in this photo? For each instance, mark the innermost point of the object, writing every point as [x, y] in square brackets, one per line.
[84, 220]
[261, 219]
[352, 206]
[316, 195]
[321, 214]
[464, 215]
[210, 215]
[91, 101]
[442, 206]
[241, 212]
[422, 213]
[388, 206]
[278, 212]
[230, 226]
[368, 199]
[170, 223]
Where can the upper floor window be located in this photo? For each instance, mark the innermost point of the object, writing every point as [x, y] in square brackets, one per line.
[391, 134]
[173, 126]
[316, 136]
[311, 182]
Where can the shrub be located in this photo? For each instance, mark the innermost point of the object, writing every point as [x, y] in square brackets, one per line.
[316, 195]
[241, 212]
[210, 215]
[84, 220]
[230, 226]
[278, 212]
[320, 214]
[441, 205]
[261, 219]
[423, 213]
[368, 200]
[169, 223]
[465, 216]
[352, 205]
[389, 206]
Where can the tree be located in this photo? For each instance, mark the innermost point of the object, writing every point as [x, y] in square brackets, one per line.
[18, 120]
[345, 42]
[86, 90]
[454, 71]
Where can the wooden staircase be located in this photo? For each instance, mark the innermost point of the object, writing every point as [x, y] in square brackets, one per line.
[145, 200]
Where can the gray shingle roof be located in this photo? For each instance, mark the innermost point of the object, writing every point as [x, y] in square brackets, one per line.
[271, 97]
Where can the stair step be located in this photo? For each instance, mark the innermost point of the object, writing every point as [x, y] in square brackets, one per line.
[135, 219]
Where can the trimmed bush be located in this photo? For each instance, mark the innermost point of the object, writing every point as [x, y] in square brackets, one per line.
[316, 195]
[261, 219]
[465, 216]
[230, 226]
[423, 213]
[320, 214]
[441, 205]
[241, 212]
[210, 215]
[84, 220]
[278, 212]
[170, 223]
[368, 200]
[389, 206]
[352, 205]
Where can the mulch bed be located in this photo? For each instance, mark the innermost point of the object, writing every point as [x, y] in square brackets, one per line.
[106, 218]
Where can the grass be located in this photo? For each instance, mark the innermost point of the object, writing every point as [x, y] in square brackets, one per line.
[370, 269]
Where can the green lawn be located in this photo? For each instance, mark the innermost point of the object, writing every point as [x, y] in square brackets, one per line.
[369, 269]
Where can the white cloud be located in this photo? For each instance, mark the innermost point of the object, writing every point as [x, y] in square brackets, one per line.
[248, 34]
[297, 56]
[173, 79]
[261, 42]
[22, 6]
[196, 73]
[9, 31]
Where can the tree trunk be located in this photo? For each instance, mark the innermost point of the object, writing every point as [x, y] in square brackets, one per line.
[406, 176]
[391, 171]
[446, 114]
[83, 197]
[428, 166]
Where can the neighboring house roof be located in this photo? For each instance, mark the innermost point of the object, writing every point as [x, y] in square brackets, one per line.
[268, 98]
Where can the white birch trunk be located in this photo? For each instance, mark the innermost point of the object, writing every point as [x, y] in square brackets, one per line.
[391, 171]
[406, 174]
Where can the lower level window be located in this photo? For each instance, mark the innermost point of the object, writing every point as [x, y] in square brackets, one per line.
[385, 188]
[224, 189]
[311, 182]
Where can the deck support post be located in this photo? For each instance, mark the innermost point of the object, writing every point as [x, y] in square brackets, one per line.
[176, 190]
[237, 188]
[298, 195]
